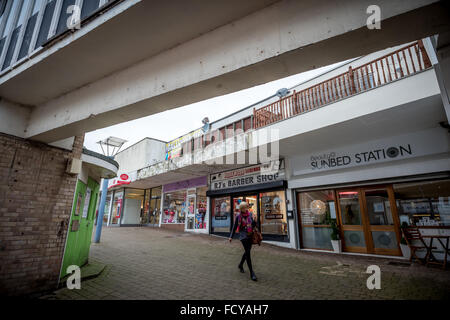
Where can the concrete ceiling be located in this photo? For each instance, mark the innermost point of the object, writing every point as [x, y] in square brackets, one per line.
[151, 27]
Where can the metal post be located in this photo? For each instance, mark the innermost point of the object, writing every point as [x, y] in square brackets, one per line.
[101, 210]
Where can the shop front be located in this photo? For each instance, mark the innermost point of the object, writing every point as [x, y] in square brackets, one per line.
[185, 205]
[263, 187]
[131, 207]
[371, 190]
[152, 207]
[370, 216]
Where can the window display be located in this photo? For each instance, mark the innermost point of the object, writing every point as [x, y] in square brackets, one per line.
[107, 207]
[152, 207]
[190, 211]
[221, 212]
[273, 213]
[425, 203]
[175, 207]
[317, 208]
[117, 207]
[200, 211]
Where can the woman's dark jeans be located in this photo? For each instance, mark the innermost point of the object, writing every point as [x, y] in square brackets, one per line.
[247, 243]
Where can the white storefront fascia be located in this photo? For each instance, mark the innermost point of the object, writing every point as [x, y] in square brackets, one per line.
[416, 153]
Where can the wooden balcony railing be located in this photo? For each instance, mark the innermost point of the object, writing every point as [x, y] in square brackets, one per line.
[393, 66]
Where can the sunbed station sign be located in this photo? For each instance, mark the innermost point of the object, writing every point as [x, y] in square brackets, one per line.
[254, 175]
[422, 143]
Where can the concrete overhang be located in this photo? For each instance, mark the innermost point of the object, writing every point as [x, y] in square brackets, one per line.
[410, 117]
[210, 49]
[385, 110]
[180, 174]
[127, 33]
[99, 166]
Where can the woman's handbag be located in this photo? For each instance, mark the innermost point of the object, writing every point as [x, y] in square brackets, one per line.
[256, 237]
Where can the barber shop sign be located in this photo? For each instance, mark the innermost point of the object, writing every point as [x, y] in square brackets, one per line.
[263, 173]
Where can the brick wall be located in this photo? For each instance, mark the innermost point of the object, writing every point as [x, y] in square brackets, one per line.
[36, 198]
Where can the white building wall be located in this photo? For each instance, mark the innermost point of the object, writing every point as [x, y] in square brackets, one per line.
[140, 155]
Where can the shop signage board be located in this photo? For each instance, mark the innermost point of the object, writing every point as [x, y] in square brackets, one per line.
[254, 175]
[122, 179]
[173, 148]
[373, 152]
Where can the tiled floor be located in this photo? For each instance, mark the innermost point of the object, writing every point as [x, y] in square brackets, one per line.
[150, 263]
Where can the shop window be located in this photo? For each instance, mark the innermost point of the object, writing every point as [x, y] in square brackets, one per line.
[107, 207]
[200, 211]
[317, 210]
[273, 213]
[349, 205]
[252, 203]
[221, 215]
[117, 207]
[133, 208]
[190, 214]
[175, 207]
[378, 207]
[423, 203]
[152, 206]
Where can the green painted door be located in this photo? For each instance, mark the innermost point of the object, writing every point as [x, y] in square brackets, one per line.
[81, 224]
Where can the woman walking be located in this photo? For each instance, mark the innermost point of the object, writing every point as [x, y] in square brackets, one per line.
[245, 225]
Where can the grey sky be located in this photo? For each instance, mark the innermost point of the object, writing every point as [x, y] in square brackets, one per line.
[173, 123]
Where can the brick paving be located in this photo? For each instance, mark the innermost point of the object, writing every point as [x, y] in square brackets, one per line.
[150, 263]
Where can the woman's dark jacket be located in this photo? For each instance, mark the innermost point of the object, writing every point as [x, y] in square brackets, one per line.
[242, 232]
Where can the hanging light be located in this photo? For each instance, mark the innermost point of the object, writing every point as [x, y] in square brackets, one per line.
[318, 207]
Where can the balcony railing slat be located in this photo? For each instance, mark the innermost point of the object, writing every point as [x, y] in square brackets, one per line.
[393, 66]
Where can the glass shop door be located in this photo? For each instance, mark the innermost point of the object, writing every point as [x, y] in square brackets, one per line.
[369, 221]
[353, 231]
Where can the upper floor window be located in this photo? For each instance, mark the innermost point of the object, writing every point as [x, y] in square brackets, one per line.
[27, 25]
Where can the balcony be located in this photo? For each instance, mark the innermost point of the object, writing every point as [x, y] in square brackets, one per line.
[394, 66]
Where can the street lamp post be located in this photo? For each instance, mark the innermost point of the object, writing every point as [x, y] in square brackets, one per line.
[110, 147]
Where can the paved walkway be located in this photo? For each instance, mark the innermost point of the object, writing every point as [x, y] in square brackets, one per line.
[147, 263]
